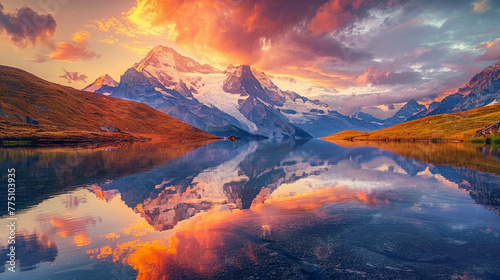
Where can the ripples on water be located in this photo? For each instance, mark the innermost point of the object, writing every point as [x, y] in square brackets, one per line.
[286, 210]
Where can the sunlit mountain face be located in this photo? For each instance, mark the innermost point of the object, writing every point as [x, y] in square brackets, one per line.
[290, 210]
[354, 56]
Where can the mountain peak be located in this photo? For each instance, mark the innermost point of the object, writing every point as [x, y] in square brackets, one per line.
[488, 79]
[414, 106]
[103, 84]
[161, 48]
[231, 68]
[161, 57]
[106, 80]
[409, 110]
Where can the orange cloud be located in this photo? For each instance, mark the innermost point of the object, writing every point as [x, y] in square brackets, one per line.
[74, 51]
[274, 36]
[244, 32]
[333, 15]
[128, 25]
[69, 226]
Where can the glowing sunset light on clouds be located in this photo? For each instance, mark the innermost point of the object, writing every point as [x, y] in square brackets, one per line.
[352, 53]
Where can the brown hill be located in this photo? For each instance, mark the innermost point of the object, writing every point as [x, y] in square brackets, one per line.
[40, 112]
[448, 127]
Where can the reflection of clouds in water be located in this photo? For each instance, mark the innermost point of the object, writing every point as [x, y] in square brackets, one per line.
[439, 177]
[290, 192]
[68, 225]
[102, 195]
[220, 237]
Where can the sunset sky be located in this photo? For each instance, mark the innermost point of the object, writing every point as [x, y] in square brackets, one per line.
[351, 53]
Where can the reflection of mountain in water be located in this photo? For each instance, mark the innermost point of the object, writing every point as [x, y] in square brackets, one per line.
[234, 174]
[45, 172]
[240, 175]
[171, 183]
[484, 188]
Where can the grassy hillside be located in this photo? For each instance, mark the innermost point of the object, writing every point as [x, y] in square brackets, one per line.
[65, 115]
[457, 126]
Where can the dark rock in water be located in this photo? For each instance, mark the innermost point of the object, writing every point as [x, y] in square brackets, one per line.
[232, 138]
[30, 120]
[110, 129]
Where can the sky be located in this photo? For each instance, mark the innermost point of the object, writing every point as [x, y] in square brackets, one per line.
[355, 55]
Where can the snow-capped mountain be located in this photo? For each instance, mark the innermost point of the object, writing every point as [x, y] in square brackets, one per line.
[407, 112]
[366, 117]
[104, 84]
[482, 90]
[240, 100]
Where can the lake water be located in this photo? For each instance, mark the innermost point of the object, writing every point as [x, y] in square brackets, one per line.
[255, 210]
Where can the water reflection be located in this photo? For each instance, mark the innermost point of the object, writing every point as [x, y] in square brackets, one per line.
[45, 172]
[288, 210]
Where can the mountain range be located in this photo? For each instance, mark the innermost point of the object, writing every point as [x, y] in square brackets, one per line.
[240, 100]
[482, 90]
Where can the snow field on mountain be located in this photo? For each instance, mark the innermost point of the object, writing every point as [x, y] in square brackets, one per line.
[210, 93]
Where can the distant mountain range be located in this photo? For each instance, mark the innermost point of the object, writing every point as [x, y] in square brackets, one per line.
[239, 100]
[482, 90]
[34, 110]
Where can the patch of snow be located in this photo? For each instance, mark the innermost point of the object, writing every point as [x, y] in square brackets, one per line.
[494, 102]
[303, 110]
[210, 93]
[210, 181]
[164, 93]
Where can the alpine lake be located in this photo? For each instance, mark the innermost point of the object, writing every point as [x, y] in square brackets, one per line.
[307, 209]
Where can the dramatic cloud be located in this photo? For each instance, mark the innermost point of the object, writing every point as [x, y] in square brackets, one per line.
[73, 77]
[26, 26]
[333, 15]
[257, 32]
[492, 50]
[357, 53]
